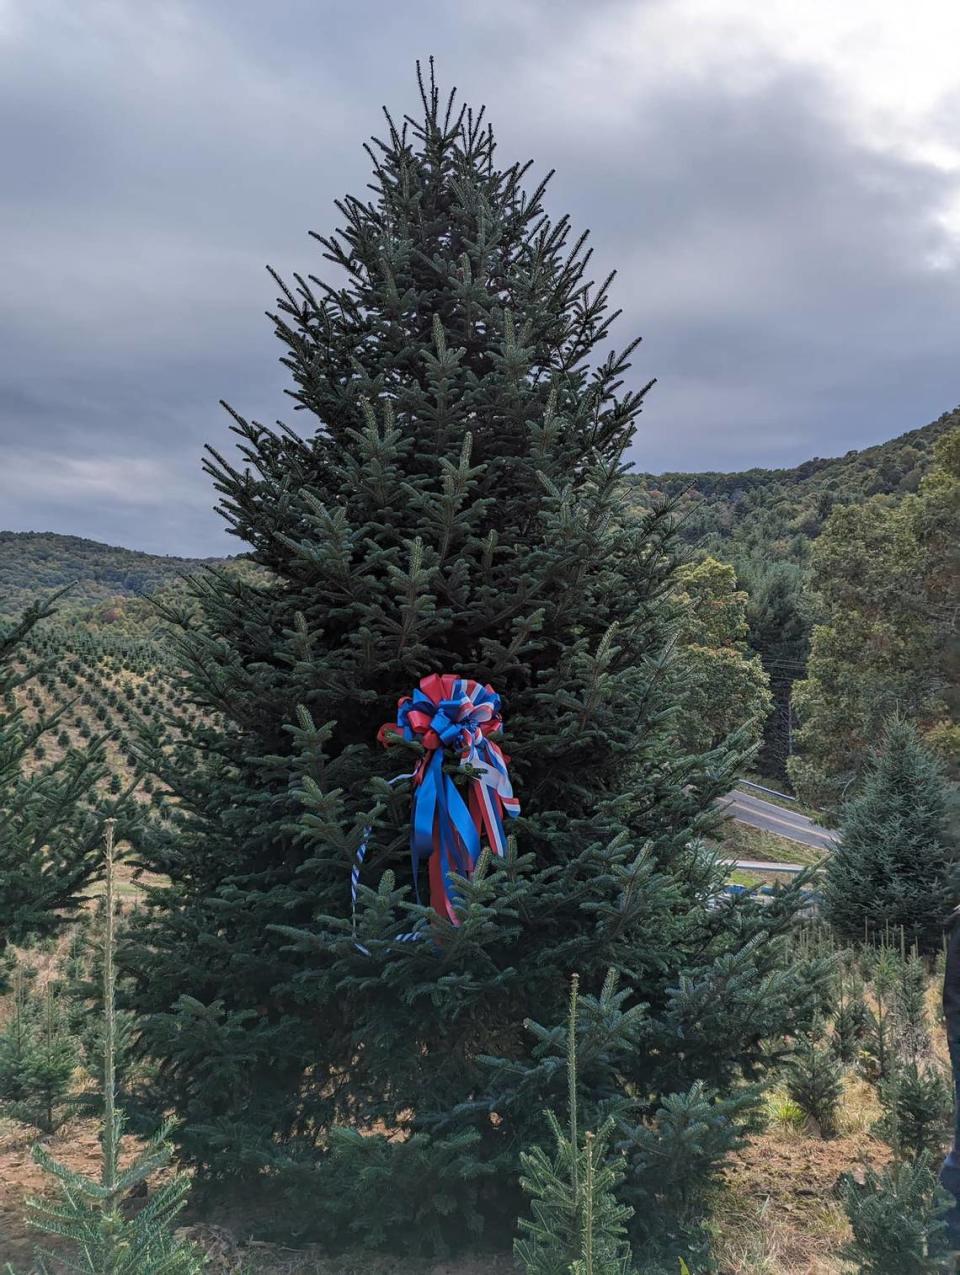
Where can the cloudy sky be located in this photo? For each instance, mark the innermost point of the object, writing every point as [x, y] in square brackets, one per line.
[778, 185]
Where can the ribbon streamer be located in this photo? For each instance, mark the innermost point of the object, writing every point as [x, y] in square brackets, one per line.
[412, 935]
[449, 712]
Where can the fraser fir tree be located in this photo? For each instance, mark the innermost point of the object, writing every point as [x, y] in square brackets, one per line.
[896, 1218]
[451, 503]
[915, 1094]
[910, 1008]
[917, 1105]
[577, 1226]
[81, 987]
[880, 1037]
[850, 1015]
[892, 867]
[92, 1214]
[15, 1042]
[38, 1057]
[815, 1083]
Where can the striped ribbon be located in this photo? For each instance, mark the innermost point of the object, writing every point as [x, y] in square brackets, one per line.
[459, 714]
[412, 935]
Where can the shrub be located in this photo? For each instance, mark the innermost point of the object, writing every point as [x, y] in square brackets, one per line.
[896, 1219]
[814, 1082]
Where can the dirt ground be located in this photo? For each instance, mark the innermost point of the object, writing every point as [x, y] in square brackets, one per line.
[76, 1144]
[778, 1211]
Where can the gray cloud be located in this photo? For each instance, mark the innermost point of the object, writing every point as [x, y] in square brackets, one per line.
[796, 291]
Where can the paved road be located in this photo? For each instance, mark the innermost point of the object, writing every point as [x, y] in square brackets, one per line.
[756, 812]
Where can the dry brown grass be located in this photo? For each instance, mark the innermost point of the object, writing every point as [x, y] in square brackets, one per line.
[779, 1211]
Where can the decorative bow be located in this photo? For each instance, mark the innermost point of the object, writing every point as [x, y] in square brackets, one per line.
[456, 713]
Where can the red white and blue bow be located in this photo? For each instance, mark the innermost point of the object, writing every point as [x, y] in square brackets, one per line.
[460, 714]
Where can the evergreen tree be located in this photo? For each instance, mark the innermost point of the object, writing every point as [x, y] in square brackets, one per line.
[896, 1218]
[48, 829]
[452, 504]
[15, 1043]
[577, 1226]
[917, 1106]
[81, 987]
[940, 974]
[92, 1214]
[815, 1083]
[892, 866]
[850, 1016]
[880, 1037]
[910, 1009]
[38, 1057]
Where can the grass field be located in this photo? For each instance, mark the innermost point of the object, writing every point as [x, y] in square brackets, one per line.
[740, 841]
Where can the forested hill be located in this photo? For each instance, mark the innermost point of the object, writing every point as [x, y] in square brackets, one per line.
[35, 563]
[776, 513]
[767, 514]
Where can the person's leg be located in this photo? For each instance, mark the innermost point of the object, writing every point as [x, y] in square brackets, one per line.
[950, 1169]
[950, 1181]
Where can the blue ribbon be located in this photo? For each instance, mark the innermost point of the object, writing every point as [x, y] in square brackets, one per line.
[437, 803]
[441, 820]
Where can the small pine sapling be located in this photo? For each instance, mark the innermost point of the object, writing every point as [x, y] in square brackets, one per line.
[815, 1083]
[816, 954]
[578, 1226]
[939, 976]
[15, 1043]
[849, 1018]
[898, 1216]
[880, 1039]
[91, 1213]
[37, 1060]
[917, 1109]
[911, 1021]
[48, 820]
[83, 984]
[897, 1220]
[52, 1064]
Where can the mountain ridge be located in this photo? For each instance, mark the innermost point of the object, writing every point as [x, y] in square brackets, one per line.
[34, 564]
[737, 514]
[779, 512]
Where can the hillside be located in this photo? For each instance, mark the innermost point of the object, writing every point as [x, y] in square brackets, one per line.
[776, 513]
[99, 684]
[35, 563]
[772, 514]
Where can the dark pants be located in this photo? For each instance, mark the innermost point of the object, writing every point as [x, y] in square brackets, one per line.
[950, 1171]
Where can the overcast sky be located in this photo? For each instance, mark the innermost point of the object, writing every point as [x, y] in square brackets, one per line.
[777, 183]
